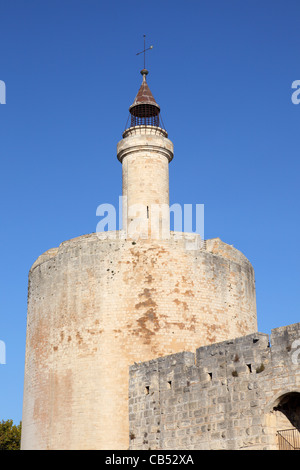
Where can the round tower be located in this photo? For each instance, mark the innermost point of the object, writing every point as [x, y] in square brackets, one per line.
[145, 153]
[97, 304]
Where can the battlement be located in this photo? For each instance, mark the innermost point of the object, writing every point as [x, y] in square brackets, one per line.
[222, 397]
[191, 242]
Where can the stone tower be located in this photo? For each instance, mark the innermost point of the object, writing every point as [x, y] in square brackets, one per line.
[145, 153]
[101, 302]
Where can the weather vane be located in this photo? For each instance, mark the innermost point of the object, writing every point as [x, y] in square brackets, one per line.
[144, 51]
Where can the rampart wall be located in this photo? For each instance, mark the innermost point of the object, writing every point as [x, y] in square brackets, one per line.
[225, 396]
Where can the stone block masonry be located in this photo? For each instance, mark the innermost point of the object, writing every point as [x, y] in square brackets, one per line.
[229, 395]
[96, 306]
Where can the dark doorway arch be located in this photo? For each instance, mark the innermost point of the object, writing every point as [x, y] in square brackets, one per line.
[289, 408]
[287, 413]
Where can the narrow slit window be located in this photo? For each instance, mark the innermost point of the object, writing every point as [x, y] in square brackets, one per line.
[147, 389]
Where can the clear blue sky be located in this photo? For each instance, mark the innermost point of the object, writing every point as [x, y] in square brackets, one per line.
[221, 71]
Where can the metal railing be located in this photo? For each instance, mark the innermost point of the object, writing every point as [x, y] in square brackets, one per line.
[289, 439]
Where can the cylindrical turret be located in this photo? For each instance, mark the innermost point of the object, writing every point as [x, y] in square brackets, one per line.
[145, 152]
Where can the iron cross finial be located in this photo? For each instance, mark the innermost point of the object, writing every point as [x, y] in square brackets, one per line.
[144, 51]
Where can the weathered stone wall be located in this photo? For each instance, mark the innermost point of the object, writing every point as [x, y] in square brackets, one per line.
[225, 396]
[145, 153]
[96, 306]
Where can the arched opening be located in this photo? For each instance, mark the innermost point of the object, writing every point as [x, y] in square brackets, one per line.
[283, 421]
[287, 413]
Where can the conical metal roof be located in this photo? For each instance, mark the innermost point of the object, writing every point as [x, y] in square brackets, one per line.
[144, 96]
